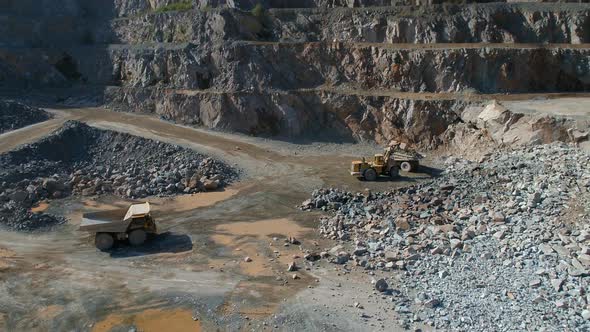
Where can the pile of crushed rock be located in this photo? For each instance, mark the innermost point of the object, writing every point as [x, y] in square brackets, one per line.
[81, 160]
[501, 244]
[15, 115]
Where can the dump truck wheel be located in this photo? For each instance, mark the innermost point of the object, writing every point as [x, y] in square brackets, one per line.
[370, 175]
[104, 241]
[393, 172]
[406, 166]
[137, 237]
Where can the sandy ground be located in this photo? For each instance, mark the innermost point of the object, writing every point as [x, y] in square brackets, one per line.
[195, 267]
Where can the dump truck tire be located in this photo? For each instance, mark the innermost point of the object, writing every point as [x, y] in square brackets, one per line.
[370, 175]
[137, 237]
[104, 241]
[393, 172]
[406, 166]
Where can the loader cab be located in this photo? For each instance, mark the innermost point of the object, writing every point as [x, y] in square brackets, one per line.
[378, 160]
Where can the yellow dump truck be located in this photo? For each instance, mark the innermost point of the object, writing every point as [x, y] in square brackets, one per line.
[133, 225]
[389, 164]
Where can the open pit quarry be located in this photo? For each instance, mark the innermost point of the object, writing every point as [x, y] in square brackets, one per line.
[237, 120]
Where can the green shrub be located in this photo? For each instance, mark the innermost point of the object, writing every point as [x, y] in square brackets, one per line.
[177, 6]
[258, 10]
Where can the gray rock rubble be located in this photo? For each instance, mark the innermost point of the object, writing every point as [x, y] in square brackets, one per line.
[502, 244]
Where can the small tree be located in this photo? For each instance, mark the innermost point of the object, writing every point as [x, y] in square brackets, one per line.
[258, 10]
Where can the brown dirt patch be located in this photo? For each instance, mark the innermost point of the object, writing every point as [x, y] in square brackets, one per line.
[155, 320]
[254, 240]
[41, 207]
[159, 204]
[50, 312]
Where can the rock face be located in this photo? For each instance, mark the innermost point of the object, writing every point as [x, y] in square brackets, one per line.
[325, 114]
[285, 67]
[494, 23]
[15, 115]
[81, 160]
[295, 72]
[494, 241]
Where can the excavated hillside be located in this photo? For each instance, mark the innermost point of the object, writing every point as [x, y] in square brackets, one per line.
[490, 233]
[334, 70]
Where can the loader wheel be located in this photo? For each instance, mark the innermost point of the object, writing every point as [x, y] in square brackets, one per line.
[104, 241]
[406, 166]
[393, 172]
[137, 237]
[370, 174]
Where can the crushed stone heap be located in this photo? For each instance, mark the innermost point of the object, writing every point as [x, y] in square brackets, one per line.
[81, 160]
[492, 245]
[15, 115]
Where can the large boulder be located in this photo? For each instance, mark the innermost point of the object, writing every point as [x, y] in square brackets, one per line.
[19, 196]
[211, 184]
[53, 185]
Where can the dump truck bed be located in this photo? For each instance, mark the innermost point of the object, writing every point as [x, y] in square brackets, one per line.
[104, 221]
[113, 221]
[406, 155]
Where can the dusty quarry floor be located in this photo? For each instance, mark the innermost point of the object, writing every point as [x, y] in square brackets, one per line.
[193, 275]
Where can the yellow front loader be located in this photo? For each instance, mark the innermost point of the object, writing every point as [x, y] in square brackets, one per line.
[388, 164]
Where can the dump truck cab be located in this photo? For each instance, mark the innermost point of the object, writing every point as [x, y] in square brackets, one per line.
[133, 224]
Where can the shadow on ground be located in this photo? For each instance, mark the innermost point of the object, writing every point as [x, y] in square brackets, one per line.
[399, 178]
[162, 243]
[432, 171]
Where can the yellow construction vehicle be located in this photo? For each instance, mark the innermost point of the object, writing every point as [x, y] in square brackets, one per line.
[394, 158]
[108, 226]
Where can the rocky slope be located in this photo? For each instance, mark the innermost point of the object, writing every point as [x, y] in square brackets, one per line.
[485, 128]
[80, 160]
[489, 245]
[321, 114]
[490, 23]
[262, 67]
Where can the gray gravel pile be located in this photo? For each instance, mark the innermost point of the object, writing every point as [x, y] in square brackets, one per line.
[81, 160]
[15, 115]
[503, 244]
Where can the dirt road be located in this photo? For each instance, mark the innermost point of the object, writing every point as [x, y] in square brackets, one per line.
[57, 280]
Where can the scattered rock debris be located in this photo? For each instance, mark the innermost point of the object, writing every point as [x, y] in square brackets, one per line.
[492, 245]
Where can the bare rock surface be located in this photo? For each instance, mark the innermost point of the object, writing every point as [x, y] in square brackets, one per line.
[323, 67]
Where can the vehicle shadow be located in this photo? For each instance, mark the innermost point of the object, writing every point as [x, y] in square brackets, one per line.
[161, 243]
[432, 171]
[399, 178]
